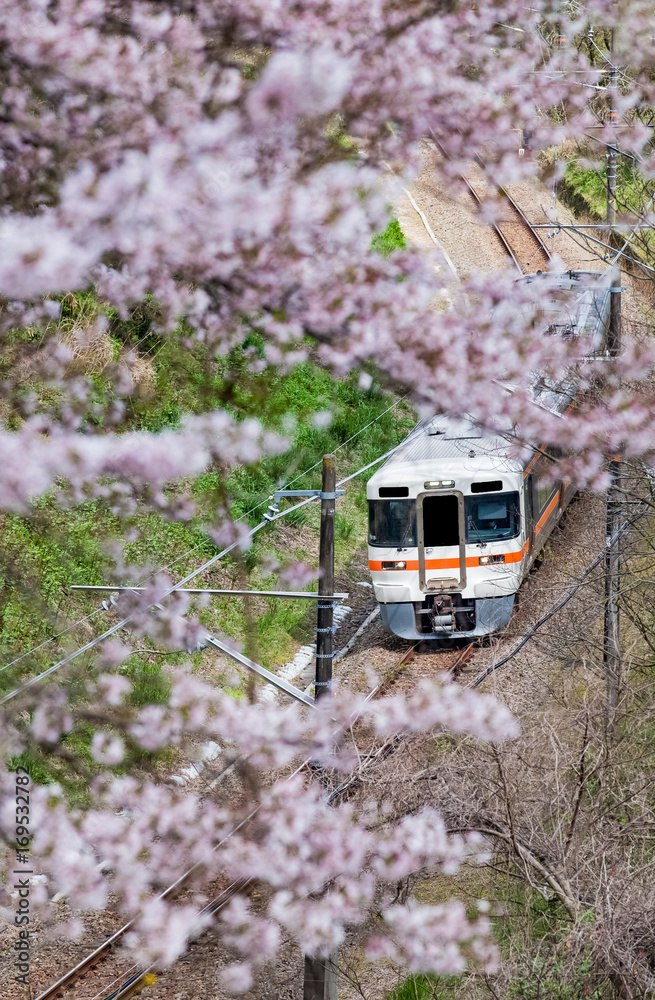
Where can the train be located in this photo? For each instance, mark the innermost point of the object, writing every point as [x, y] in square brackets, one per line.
[456, 523]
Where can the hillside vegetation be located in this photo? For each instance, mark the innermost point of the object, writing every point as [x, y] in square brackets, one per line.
[93, 542]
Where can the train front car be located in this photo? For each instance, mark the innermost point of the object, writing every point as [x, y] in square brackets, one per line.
[448, 533]
[454, 523]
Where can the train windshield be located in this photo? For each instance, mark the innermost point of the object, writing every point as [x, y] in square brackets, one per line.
[392, 523]
[492, 516]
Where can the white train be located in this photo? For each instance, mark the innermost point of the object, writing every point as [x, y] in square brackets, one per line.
[454, 523]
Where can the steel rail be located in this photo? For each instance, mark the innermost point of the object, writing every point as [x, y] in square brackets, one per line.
[137, 974]
[476, 197]
[494, 225]
[136, 979]
[78, 971]
[542, 248]
[521, 219]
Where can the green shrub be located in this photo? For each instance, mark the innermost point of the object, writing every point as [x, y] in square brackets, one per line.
[424, 987]
[391, 239]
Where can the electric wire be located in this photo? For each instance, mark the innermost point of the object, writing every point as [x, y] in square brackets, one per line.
[229, 548]
[608, 246]
[198, 546]
[51, 639]
[170, 590]
[620, 252]
[572, 591]
[335, 450]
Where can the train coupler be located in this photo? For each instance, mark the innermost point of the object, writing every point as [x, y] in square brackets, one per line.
[443, 613]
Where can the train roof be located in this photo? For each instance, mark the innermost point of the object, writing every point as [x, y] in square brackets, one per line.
[469, 450]
[443, 443]
[578, 302]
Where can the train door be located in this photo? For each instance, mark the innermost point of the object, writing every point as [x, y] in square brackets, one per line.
[441, 536]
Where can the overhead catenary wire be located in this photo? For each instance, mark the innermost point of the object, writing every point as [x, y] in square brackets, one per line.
[121, 624]
[346, 784]
[582, 246]
[559, 604]
[219, 555]
[190, 576]
[338, 448]
[184, 555]
[607, 246]
[52, 638]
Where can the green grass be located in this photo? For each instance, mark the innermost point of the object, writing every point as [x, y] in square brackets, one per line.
[584, 190]
[415, 988]
[53, 548]
[391, 239]
[43, 553]
[590, 185]
[426, 987]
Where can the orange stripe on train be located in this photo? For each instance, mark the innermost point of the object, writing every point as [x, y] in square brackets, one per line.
[412, 564]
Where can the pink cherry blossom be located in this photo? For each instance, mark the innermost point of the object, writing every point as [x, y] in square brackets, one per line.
[231, 162]
[107, 749]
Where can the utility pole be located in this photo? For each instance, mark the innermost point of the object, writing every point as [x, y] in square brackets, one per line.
[325, 615]
[611, 630]
[320, 979]
[612, 151]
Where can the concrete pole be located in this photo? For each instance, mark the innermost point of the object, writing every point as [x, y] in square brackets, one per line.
[325, 616]
[320, 978]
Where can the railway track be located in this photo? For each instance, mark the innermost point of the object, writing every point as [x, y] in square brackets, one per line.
[520, 241]
[106, 974]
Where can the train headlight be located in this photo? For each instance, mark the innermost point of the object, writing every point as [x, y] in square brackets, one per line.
[490, 560]
[394, 565]
[439, 484]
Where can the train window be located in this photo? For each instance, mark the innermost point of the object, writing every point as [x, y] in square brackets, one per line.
[394, 491]
[392, 523]
[491, 487]
[491, 518]
[545, 490]
[440, 521]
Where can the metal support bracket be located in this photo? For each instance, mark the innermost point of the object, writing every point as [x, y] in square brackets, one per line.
[306, 595]
[318, 494]
[262, 672]
[619, 288]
